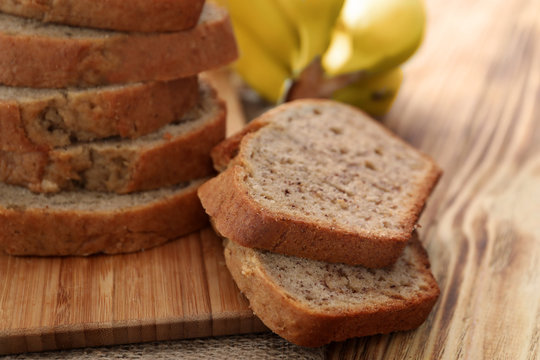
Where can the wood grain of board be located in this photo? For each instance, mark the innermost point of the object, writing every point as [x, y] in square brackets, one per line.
[471, 99]
[179, 290]
[222, 80]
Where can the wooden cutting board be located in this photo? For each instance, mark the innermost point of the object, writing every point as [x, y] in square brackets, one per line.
[179, 290]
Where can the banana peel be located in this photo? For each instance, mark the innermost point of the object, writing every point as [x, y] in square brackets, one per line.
[373, 94]
[374, 36]
[259, 68]
[268, 25]
[314, 21]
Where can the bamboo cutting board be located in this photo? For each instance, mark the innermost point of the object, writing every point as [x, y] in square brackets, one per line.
[179, 290]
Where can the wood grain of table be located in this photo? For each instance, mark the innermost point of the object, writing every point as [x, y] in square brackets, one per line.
[471, 99]
[175, 291]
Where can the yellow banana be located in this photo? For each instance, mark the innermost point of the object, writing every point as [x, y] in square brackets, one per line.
[374, 94]
[309, 48]
[259, 67]
[374, 36]
[314, 20]
[266, 23]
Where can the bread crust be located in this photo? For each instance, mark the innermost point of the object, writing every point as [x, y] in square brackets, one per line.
[138, 15]
[60, 118]
[287, 317]
[224, 152]
[114, 57]
[49, 231]
[122, 169]
[238, 217]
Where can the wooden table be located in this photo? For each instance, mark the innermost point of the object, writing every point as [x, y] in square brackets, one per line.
[471, 99]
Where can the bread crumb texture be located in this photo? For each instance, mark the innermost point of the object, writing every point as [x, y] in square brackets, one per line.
[116, 165]
[336, 165]
[325, 286]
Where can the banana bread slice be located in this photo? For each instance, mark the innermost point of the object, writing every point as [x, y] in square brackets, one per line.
[39, 55]
[320, 180]
[133, 15]
[85, 222]
[34, 119]
[312, 303]
[177, 152]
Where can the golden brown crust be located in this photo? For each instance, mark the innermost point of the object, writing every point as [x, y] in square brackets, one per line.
[223, 153]
[168, 161]
[315, 327]
[184, 159]
[138, 15]
[236, 216]
[63, 61]
[129, 111]
[48, 231]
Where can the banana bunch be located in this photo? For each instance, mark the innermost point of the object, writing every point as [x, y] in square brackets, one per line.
[348, 50]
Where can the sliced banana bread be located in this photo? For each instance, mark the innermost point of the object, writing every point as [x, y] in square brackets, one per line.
[176, 152]
[84, 222]
[37, 119]
[133, 15]
[41, 55]
[320, 180]
[312, 303]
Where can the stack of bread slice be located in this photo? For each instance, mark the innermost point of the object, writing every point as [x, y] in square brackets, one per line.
[105, 127]
[318, 204]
